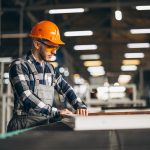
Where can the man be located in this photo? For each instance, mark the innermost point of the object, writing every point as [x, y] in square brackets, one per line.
[33, 80]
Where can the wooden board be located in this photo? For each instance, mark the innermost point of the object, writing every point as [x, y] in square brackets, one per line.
[109, 120]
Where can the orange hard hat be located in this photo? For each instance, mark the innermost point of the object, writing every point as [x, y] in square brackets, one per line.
[46, 30]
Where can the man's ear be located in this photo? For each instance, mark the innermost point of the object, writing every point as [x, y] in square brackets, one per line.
[36, 44]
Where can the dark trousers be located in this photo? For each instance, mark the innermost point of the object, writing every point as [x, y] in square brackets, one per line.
[25, 121]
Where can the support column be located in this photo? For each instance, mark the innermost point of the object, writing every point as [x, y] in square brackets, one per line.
[21, 31]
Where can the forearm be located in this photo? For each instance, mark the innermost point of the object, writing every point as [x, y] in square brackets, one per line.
[68, 93]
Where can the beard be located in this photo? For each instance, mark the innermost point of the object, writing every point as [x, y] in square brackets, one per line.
[44, 56]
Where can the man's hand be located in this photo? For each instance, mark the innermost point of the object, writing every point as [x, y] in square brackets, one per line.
[64, 112]
[82, 112]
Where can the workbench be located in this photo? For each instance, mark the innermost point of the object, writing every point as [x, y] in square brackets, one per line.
[59, 136]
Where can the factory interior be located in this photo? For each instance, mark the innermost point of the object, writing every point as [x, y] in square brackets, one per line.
[105, 61]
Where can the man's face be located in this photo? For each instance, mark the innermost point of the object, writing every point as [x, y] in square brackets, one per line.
[47, 50]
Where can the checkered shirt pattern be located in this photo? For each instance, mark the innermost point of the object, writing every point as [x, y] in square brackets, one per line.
[23, 82]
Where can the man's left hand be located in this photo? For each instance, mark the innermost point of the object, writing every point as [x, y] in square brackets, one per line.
[82, 112]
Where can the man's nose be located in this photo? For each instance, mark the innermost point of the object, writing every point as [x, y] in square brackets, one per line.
[53, 52]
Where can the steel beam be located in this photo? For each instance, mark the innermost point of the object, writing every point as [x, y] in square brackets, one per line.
[83, 5]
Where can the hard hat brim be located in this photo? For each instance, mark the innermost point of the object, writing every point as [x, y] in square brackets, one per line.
[55, 42]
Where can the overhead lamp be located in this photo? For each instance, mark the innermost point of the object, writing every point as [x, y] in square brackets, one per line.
[95, 69]
[78, 33]
[138, 45]
[96, 74]
[66, 73]
[76, 75]
[92, 63]
[6, 75]
[118, 15]
[67, 10]
[85, 47]
[128, 67]
[139, 31]
[61, 69]
[123, 79]
[90, 57]
[134, 55]
[131, 62]
[79, 80]
[146, 7]
[6, 81]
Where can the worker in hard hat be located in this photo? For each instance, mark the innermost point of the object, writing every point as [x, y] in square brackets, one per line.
[34, 80]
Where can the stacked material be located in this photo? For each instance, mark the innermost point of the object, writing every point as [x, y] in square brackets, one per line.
[129, 119]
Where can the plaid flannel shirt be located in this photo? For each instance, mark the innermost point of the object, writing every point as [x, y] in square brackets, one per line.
[22, 81]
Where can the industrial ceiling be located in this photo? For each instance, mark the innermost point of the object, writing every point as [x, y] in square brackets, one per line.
[110, 35]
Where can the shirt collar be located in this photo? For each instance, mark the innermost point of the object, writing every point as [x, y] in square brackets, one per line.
[32, 59]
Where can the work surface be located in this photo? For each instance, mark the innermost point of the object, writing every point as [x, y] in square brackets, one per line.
[60, 137]
[123, 119]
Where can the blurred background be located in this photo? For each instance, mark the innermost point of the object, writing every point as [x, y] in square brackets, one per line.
[106, 55]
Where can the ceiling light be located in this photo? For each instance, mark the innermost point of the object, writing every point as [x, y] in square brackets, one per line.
[90, 57]
[79, 80]
[85, 47]
[138, 45]
[139, 31]
[78, 33]
[92, 63]
[66, 73]
[146, 7]
[68, 10]
[131, 62]
[134, 55]
[97, 69]
[61, 69]
[76, 75]
[96, 74]
[6, 75]
[128, 67]
[123, 79]
[6, 81]
[118, 15]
